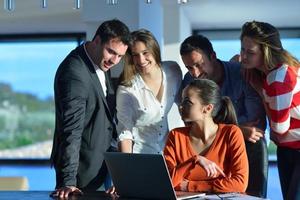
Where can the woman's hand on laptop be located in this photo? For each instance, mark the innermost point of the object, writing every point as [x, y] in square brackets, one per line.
[211, 168]
[184, 185]
[65, 192]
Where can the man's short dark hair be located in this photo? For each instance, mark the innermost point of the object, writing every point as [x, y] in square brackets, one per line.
[196, 43]
[113, 29]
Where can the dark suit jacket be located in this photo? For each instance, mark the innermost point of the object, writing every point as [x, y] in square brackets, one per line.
[84, 123]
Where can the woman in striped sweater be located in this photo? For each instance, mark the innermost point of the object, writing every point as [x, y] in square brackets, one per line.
[274, 73]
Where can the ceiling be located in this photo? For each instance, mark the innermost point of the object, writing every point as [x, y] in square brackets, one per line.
[29, 17]
[219, 14]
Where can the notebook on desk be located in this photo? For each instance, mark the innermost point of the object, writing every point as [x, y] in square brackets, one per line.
[143, 176]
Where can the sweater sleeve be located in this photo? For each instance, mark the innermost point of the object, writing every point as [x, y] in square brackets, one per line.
[177, 171]
[279, 96]
[237, 171]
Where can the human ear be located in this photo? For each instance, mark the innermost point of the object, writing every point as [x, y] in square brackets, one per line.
[208, 108]
[97, 39]
[213, 56]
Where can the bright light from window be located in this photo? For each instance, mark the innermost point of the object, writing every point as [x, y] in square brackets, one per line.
[26, 96]
[225, 49]
[29, 67]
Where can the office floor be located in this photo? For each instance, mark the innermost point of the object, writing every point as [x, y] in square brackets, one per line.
[43, 178]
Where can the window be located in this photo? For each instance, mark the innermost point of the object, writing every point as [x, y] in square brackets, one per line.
[225, 49]
[27, 110]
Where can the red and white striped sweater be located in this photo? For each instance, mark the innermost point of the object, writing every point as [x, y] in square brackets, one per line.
[281, 92]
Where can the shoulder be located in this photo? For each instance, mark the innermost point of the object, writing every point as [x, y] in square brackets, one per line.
[282, 74]
[171, 65]
[187, 79]
[234, 76]
[135, 86]
[73, 63]
[172, 75]
[227, 126]
[179, 133]
[232, 67]
[230, 131]
[124, 89]
[231, 135]
[282, 80]
[232, 64]
[172, 68]
[75, 56]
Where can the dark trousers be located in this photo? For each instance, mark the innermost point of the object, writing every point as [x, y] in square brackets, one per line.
[258, 168]
[289, 172]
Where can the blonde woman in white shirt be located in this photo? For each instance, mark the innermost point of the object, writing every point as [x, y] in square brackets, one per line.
[148, 88]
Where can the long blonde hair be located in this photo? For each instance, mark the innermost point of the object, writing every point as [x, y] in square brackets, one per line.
[268, 37]
[146, 37]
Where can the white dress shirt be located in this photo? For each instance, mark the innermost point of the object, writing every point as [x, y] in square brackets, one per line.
[99, 72]
[141, 117]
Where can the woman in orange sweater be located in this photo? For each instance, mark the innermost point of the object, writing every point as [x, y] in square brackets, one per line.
[209, 155]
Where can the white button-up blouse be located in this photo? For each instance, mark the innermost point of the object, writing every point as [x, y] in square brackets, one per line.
[141, 117]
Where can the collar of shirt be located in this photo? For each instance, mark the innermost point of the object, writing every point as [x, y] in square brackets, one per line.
[140, 83]
[99, 72]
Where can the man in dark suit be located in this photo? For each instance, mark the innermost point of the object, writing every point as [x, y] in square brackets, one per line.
[84, 116]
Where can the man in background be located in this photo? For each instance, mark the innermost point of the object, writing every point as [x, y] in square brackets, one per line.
[201, 61]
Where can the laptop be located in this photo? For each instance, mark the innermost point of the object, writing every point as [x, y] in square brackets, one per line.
[143, 176]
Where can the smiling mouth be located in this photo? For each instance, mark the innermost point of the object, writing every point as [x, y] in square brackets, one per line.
[145, 65]
[107, 64]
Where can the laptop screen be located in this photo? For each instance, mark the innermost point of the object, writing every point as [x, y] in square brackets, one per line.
[140, 175]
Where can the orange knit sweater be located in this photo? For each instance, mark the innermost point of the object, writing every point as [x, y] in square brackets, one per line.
[227, 151]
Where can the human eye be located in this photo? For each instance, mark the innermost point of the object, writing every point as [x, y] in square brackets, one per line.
[146, 53]
[110, 51]
[134, 55]
[198, 65]
[186, 102]
[242, 49]
[250, 52]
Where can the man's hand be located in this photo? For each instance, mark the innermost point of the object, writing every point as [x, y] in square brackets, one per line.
[251, 133]
[236, 58]
[65, 192]
[111, 190]
[211, 168]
